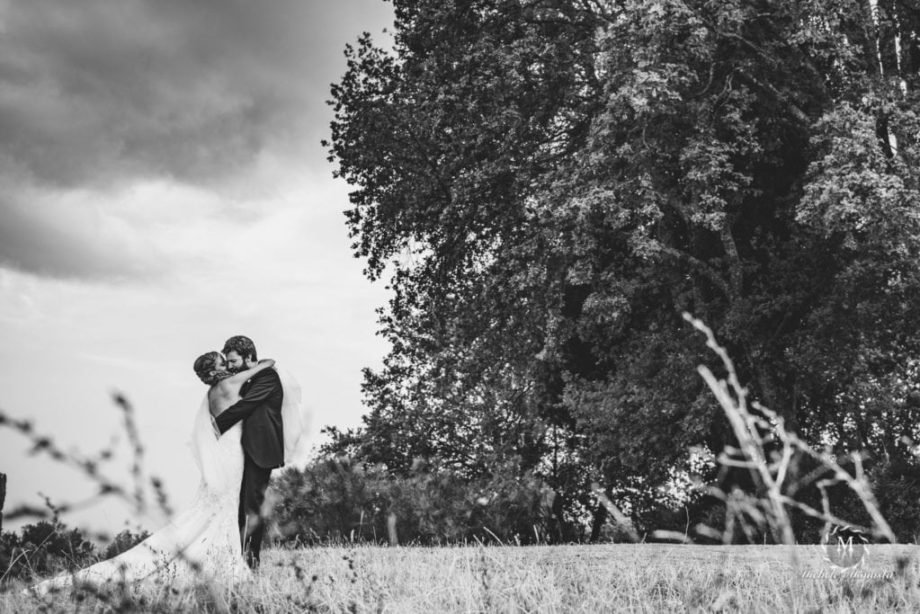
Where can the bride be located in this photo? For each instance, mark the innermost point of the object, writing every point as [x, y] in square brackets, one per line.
[202, 543]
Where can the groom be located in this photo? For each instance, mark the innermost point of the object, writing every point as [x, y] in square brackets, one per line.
[263, 439]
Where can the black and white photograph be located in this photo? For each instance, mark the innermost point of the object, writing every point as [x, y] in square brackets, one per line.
[417, 306]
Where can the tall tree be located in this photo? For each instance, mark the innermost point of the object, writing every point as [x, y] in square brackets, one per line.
[550, 184]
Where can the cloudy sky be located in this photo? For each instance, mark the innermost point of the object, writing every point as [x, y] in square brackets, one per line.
[163, 189]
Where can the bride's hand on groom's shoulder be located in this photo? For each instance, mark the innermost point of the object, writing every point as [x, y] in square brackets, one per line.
[267, 361]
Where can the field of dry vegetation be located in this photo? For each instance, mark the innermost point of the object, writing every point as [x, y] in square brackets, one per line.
[633, 578]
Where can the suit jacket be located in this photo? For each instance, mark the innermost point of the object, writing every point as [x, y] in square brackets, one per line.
[260, 410]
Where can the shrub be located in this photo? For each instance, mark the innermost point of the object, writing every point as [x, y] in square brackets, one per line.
[336, 499]
[42, 548]
[124, 541]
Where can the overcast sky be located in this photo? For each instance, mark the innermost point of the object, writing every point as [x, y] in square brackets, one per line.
[163, 188]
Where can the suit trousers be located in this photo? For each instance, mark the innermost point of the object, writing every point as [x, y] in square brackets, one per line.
[251, 517]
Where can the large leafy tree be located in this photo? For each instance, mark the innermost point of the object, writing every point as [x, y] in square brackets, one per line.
[548, 185]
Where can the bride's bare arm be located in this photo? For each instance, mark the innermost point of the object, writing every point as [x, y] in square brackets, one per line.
[216, 396]
[238, 379]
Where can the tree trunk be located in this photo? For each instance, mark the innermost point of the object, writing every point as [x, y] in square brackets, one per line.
[600, 517]
[2, 498]
[391, 529]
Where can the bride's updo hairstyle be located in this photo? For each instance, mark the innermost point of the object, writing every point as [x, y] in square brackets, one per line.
[204, 368]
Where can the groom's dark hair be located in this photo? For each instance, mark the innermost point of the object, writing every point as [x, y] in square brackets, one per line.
[242, 346]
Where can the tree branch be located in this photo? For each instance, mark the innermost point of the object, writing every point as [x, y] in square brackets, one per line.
[776, 95]
[701, 267]
[736, 271]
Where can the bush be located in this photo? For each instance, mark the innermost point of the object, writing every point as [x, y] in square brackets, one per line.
[124, 541]
[43, 548]
[338, 499]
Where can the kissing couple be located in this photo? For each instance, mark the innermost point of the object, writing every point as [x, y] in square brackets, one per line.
[248, 424]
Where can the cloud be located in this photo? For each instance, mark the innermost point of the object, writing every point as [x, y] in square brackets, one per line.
[97, 97]
[62, 234]
[96, 92]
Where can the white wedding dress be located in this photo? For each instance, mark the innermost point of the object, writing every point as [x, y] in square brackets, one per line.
[202, 544]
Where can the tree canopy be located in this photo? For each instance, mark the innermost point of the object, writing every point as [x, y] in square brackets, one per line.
[548, 185]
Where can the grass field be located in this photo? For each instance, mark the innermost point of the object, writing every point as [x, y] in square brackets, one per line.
[609, 578]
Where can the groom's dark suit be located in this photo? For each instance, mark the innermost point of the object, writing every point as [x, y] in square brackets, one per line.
[263, 449]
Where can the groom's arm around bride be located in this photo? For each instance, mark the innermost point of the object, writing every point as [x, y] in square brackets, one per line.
[260, 407]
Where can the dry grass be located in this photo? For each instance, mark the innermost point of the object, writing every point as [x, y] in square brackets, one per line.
[621, 578]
